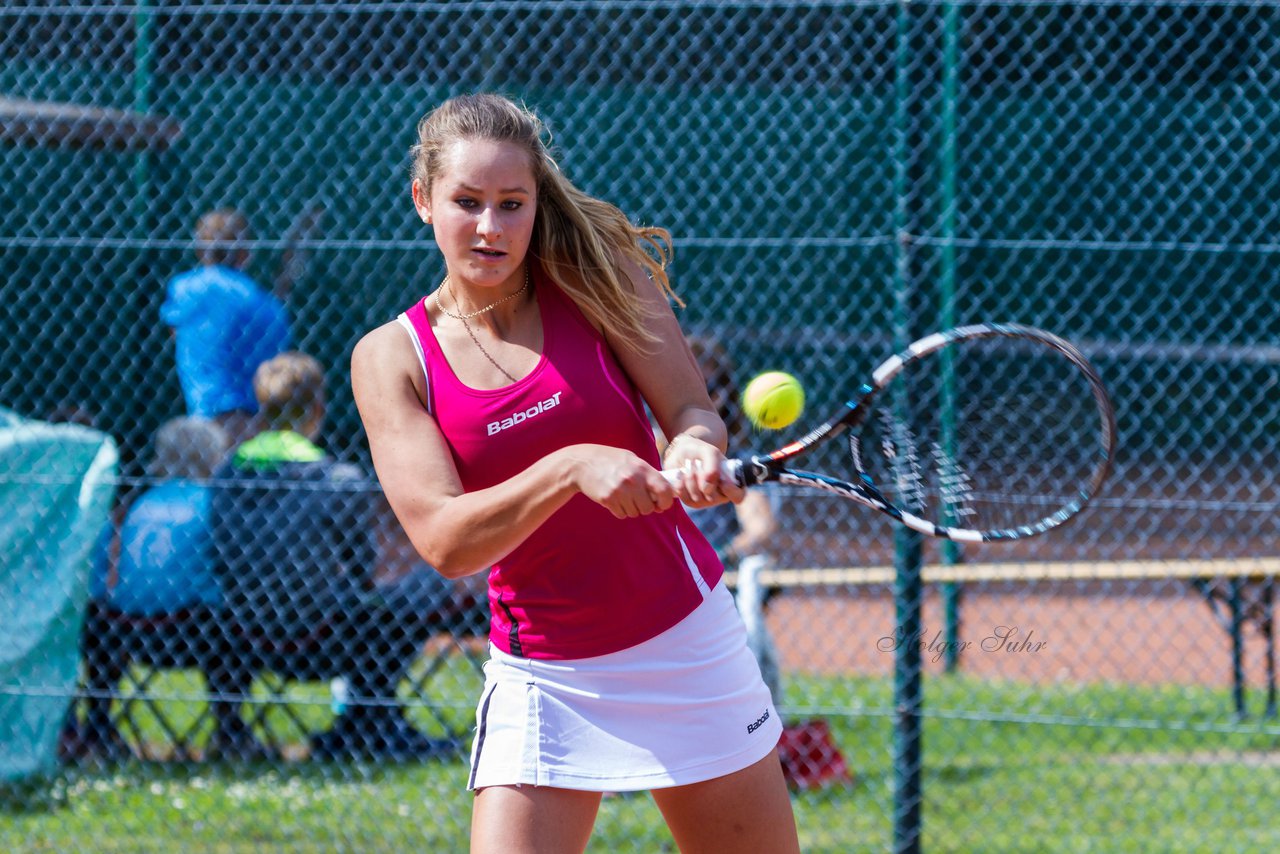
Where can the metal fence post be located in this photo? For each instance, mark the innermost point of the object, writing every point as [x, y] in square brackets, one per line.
[907, 588]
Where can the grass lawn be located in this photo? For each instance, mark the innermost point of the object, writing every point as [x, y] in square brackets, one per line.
[1008, 767]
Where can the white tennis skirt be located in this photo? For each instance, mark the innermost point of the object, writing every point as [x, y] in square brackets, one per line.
[686, 706]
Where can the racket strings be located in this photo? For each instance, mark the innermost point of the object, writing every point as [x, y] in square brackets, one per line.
[986, 435]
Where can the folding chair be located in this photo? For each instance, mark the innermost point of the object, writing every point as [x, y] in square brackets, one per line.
[125, 653]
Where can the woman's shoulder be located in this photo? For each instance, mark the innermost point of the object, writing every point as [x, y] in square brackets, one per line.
[382, 361]
[388, 341]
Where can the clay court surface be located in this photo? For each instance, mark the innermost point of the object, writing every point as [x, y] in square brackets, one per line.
[1153, 629]
[1153, 633]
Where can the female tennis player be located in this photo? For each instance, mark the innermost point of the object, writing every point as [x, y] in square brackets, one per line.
[505, 415]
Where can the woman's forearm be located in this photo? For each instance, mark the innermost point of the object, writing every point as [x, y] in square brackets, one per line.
[469, 532]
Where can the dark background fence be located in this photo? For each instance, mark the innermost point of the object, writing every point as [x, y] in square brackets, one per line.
[1105, 170]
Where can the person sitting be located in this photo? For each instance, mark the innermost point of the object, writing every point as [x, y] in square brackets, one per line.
[156, 598]
[295, 539]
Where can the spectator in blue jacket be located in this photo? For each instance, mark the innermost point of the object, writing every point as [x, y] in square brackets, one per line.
[156, 597]
[224, 324]
[165, 564]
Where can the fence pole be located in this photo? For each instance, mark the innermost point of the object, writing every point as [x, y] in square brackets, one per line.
[143, 34]
[951, 551]
[907, 588]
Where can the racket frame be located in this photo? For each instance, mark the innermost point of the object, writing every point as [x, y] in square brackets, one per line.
[772, 467]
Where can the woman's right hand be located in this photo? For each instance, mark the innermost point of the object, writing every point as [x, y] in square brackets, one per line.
[619, 480]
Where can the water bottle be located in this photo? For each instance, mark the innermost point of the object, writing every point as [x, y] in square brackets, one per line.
[339, 694]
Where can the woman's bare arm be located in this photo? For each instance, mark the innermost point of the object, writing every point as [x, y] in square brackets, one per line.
[672, 384]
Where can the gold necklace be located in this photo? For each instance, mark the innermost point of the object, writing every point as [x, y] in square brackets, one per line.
[445, 283]
[490, 307]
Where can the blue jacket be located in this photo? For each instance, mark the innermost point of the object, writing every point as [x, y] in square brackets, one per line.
[225, 326]
[166, 559]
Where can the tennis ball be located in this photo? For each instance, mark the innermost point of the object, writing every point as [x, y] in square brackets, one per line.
[773, 400]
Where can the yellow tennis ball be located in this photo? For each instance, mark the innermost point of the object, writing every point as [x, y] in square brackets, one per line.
[773, 400]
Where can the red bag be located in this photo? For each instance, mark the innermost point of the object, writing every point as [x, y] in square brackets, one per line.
[810, 758]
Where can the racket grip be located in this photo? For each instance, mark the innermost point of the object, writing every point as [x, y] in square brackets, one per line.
[730, 470]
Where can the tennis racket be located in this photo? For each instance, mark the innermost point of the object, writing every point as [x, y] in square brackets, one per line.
[978, 434]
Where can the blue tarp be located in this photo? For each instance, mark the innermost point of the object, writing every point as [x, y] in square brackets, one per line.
[56, 486]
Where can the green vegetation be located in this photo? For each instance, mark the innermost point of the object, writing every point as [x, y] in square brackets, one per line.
[1009, 767]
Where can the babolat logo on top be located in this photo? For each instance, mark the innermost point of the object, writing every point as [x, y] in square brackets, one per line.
[525, 414]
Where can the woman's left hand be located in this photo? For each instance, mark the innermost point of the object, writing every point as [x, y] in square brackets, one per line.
[699, 464]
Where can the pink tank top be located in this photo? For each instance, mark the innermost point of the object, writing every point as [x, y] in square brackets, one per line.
[584, 583]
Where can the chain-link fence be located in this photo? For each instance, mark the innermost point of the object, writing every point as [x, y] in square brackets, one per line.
[839, 177]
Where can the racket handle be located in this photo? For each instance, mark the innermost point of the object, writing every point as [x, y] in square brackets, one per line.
[730, 470]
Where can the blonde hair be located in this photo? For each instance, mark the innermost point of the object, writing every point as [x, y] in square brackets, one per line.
[290, 388]
[578, 238]
[220, 237]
